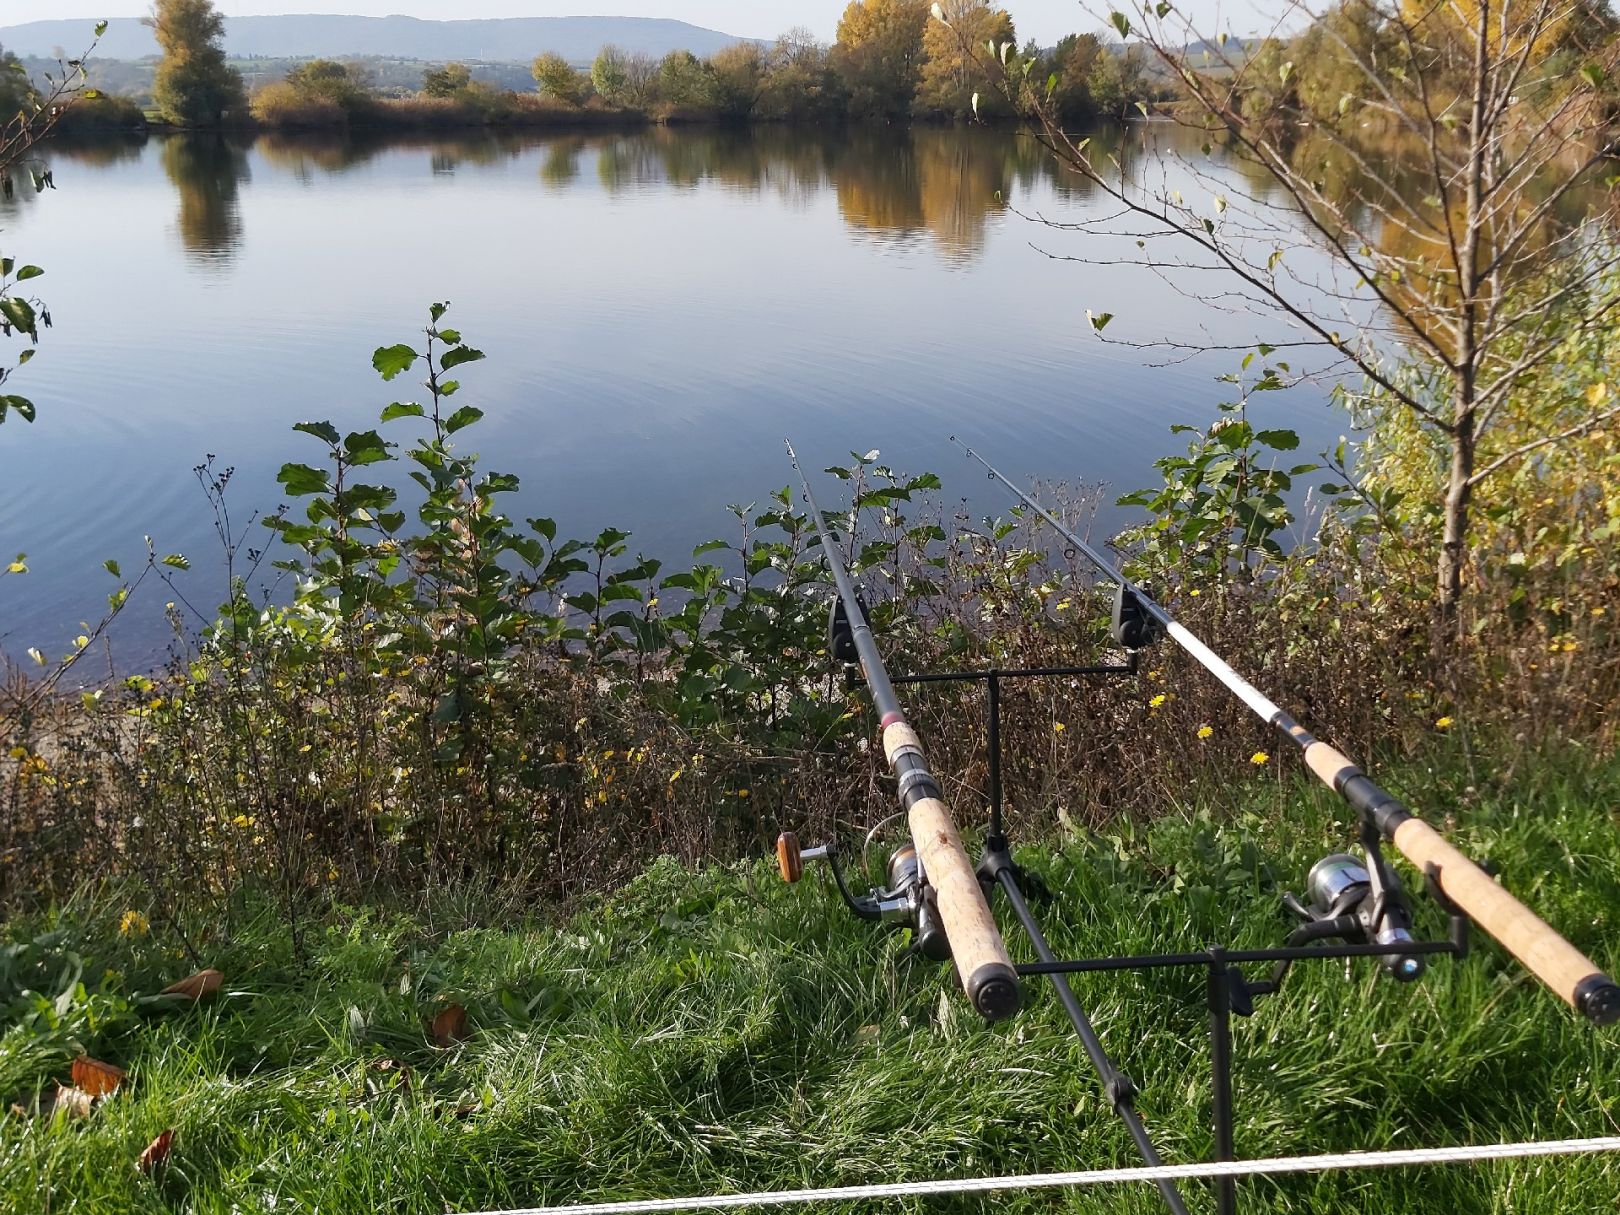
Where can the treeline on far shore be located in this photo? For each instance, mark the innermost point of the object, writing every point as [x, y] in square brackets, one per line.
[892, 62]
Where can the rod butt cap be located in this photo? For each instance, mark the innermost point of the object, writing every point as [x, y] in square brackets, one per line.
[1597, 998]
[993, 990]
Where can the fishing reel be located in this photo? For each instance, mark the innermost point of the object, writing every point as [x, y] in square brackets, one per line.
[1360, 902]
[907, 901]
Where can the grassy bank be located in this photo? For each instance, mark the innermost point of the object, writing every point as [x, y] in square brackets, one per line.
[714, 1030]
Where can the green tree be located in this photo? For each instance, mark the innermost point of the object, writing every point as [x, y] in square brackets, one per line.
[447, 81]
[879, 54]
[1068, 72]
[801, 85]
[194, 85]
[684, 79]
[610, 75]
[340, 82]
[1118, 81]
[739, 77]
[958, 63]
[556, 78]
[17, 94]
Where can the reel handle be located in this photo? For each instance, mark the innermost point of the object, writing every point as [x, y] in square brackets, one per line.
[790, 858]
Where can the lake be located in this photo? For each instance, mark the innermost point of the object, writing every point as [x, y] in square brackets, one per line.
[660, 308]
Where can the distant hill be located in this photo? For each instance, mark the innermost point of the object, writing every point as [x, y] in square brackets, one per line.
[512, 39]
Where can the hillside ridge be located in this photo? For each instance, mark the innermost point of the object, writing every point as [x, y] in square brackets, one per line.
[319, 35]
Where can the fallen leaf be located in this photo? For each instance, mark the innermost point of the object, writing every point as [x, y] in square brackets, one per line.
[450, 1026]
[156, 1154]
[96, 1078]
[74, 1102]
[199, 986]
[466, 1109]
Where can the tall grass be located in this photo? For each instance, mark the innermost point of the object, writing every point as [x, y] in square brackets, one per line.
[711, 1030]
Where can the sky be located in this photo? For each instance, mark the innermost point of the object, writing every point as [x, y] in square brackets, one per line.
[1044, 20]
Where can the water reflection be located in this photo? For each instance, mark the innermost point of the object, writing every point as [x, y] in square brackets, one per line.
[206, 172]
[946, 186]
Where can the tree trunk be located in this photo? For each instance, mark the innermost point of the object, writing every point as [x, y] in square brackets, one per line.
[1459, 495]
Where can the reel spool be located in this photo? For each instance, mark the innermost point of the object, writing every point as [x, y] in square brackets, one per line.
[1361, 902]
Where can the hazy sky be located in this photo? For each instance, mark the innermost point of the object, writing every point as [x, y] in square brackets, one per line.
[1046, 20]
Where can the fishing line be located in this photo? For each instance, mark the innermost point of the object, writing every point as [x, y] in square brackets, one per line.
[1279, 1166]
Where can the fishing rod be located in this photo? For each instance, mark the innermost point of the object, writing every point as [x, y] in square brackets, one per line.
[935, 886]
[1539, 947]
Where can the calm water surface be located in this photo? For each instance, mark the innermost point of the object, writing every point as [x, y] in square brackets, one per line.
[659, 310]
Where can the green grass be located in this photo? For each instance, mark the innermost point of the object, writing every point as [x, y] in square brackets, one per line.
[718, 1031]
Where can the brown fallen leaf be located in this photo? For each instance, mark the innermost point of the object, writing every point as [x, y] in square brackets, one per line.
[450, 1026]
[72, 1102]
[466, 1109]
[97, 1078]
[199, 986]
[156, 1154]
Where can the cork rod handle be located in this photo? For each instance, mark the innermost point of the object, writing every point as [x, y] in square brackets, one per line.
[1535, 943]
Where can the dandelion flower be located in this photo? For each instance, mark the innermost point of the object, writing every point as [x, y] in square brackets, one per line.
[1205, 731]
[1443, 724]
[1058, 727]
[133, 923]
[1157, 700]
[1259, 758]
[742, 792]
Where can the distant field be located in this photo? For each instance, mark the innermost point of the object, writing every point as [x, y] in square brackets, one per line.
[717, 1031]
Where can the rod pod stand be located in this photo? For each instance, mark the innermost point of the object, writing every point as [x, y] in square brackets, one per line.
[1569, 973]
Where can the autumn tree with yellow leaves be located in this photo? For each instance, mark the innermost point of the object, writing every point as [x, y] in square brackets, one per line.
[1466, 127]
[879, 54]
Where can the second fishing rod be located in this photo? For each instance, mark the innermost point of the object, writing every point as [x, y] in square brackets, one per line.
[1542, 950]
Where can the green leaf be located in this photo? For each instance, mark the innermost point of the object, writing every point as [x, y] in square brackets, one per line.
[1121, 23]
[22, 405]
[463, 417]
[1278, 440]
[1099, 323]
[391, 360]
[301, 479]
[402, 409]
[177, 561]
[28, 272]
[365, 447]
[324, 431]
[112, 568]
[101, 28]
[20, 315]
[458, 356]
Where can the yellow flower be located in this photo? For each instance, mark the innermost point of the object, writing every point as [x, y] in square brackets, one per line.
[676, 775]
[1443, 724]
[133, 923]
[1157, 700]
[1205, 731]
[1259, 757]
[742, 792]
[1058, 727]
